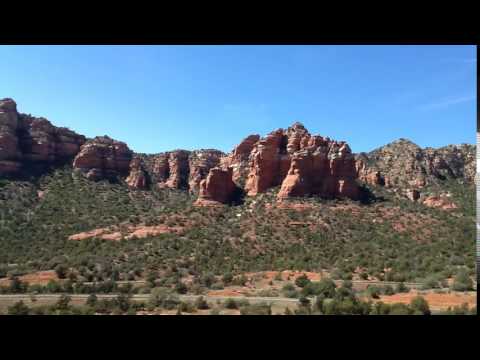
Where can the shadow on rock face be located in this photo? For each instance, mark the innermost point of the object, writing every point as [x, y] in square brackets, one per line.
[367, 197]
[238, 196]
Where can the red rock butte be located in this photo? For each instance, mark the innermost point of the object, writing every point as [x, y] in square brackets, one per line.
[300, 163]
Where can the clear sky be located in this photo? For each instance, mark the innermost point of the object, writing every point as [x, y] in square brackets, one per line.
[158, 98]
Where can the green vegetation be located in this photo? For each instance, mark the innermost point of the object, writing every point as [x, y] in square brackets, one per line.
[217, 246]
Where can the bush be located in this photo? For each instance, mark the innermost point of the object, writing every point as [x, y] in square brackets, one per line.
[201, 304]
[388, 290]
[399, 309]
[256, 309]
[61, 271]
[401, 288]
[186, 307]
[63, 302]
[227, 278]
[462, 281]
[420, 305]
[231, 304]
[302, 281]
[181, 288]
[373, 292]
[19, 308]
[92, 300]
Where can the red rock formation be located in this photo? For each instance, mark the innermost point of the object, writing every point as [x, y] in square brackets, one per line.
[366, 174]
[322, 168]
[217, 188]
[181, 169]
[238, 160]
[441, 202]
[26, 139]
[160, 172]
[265, 163]
[178, 169]
[103, 158]
[137, 177]
[200, 162]
[302, 164]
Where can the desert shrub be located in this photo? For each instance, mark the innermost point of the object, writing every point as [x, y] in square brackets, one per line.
[92, 300]
[230, 304]
[256, 309]
[61, 271]
[181, 288]
[388, 290]
[325, 287]
[187, 307]
[431, 282]
[227, 278]
[218, 286]
[19, 308]
[63, 302]
[268, 293]
[399, 309]
[201, 303]
[302, 281]
[462, 281]
[215, 311]
[373, 292]
[419, 306]
[288, 287]
[401, 288]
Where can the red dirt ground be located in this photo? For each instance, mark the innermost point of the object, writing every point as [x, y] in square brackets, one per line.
[139, 231]
[40, 277]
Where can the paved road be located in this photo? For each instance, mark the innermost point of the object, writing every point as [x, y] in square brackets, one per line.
[146, 297]
[355, 283]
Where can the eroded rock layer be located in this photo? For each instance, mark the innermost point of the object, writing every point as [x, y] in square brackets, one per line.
[218, 187]
[138, 177]
[103, 158]
[29, 143]
[302, 164]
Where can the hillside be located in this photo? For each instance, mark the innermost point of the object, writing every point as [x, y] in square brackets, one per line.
[288, 201]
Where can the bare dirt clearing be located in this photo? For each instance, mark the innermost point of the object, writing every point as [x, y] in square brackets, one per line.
[39, 277]
[437, 301]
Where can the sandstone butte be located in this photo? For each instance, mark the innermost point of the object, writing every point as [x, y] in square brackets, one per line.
[301, 164]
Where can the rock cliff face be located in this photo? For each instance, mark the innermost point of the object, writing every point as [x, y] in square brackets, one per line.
[32, 143]
[299, 163]
[217, 188]
[103, 158]
[138, 177]
[238, 159]
[181, 169]
[302, 164]
[200, 162]
[404, 167]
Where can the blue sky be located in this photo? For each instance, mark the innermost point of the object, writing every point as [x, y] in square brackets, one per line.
[158, 98]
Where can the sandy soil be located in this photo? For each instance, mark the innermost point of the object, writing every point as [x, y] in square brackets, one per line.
[39, 277]
[436, 301]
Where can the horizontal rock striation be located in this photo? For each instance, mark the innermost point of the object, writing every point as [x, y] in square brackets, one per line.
[103, 158]
[32, 144]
